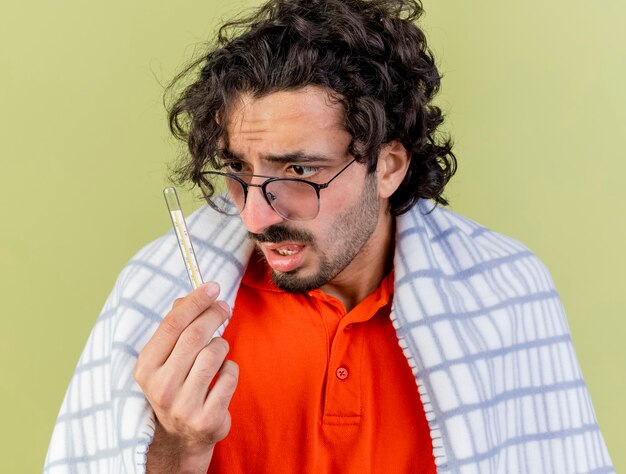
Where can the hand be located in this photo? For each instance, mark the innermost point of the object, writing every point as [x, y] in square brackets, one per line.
[175, 370]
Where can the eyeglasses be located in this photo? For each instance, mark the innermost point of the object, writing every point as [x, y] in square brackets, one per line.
[292, 198]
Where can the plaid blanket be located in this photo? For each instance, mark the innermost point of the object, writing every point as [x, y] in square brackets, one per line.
[476, 314]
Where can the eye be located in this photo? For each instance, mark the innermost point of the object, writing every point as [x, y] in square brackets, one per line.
[232, 167]
[303, 171]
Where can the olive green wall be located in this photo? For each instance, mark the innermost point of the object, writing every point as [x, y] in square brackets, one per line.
[535, 98]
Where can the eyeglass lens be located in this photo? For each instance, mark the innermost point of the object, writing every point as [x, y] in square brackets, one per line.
[293, 200]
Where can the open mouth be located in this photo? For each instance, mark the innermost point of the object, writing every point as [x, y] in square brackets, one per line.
[283, 257]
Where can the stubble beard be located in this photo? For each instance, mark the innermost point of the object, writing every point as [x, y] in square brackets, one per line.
[352, 229]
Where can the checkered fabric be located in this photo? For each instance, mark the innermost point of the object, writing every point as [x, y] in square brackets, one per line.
[476, 314]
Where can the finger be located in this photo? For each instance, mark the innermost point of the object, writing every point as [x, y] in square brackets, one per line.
[160, 345]
[191, 342]
[222, 392]
[177, 301]
[208, 362]
[198, 334]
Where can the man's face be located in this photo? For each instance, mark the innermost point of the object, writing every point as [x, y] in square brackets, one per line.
[299, 134]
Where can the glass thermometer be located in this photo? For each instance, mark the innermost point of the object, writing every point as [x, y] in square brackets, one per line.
[182, 234]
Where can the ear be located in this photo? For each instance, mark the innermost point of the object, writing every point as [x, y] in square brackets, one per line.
[393, 163]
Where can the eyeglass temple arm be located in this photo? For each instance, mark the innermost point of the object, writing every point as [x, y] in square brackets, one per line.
[325, 185]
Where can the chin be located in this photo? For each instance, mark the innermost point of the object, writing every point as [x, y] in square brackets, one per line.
[292, 282]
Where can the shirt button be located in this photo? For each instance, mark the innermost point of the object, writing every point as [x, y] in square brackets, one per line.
[342, 373]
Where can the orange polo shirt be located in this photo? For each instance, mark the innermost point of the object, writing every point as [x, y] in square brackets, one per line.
[320, 390]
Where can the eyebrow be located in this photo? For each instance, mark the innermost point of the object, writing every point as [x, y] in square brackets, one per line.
[227, 154]
[293, 157]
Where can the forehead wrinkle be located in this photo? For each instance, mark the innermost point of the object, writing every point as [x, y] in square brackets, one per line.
[255, 122]
[252, 121]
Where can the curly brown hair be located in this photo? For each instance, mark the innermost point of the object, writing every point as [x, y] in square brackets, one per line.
[369, 53]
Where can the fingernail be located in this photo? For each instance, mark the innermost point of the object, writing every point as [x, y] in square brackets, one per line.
[212, 289]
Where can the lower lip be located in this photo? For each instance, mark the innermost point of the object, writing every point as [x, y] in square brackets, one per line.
[283, 263]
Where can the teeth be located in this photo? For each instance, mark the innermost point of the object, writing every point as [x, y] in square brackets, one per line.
[285, 252]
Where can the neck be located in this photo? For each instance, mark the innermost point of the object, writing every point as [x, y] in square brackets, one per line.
[363, 275]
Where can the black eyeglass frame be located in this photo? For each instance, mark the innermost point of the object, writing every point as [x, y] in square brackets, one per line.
[272, 179]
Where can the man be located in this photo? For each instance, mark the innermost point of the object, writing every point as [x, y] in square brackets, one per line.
[370, 329]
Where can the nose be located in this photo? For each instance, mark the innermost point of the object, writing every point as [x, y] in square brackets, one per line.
[258, 215]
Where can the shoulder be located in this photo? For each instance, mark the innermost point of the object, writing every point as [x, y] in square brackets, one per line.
[447, 229]
[460, 249]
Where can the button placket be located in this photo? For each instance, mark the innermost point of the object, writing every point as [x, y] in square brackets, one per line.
[343, 385]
